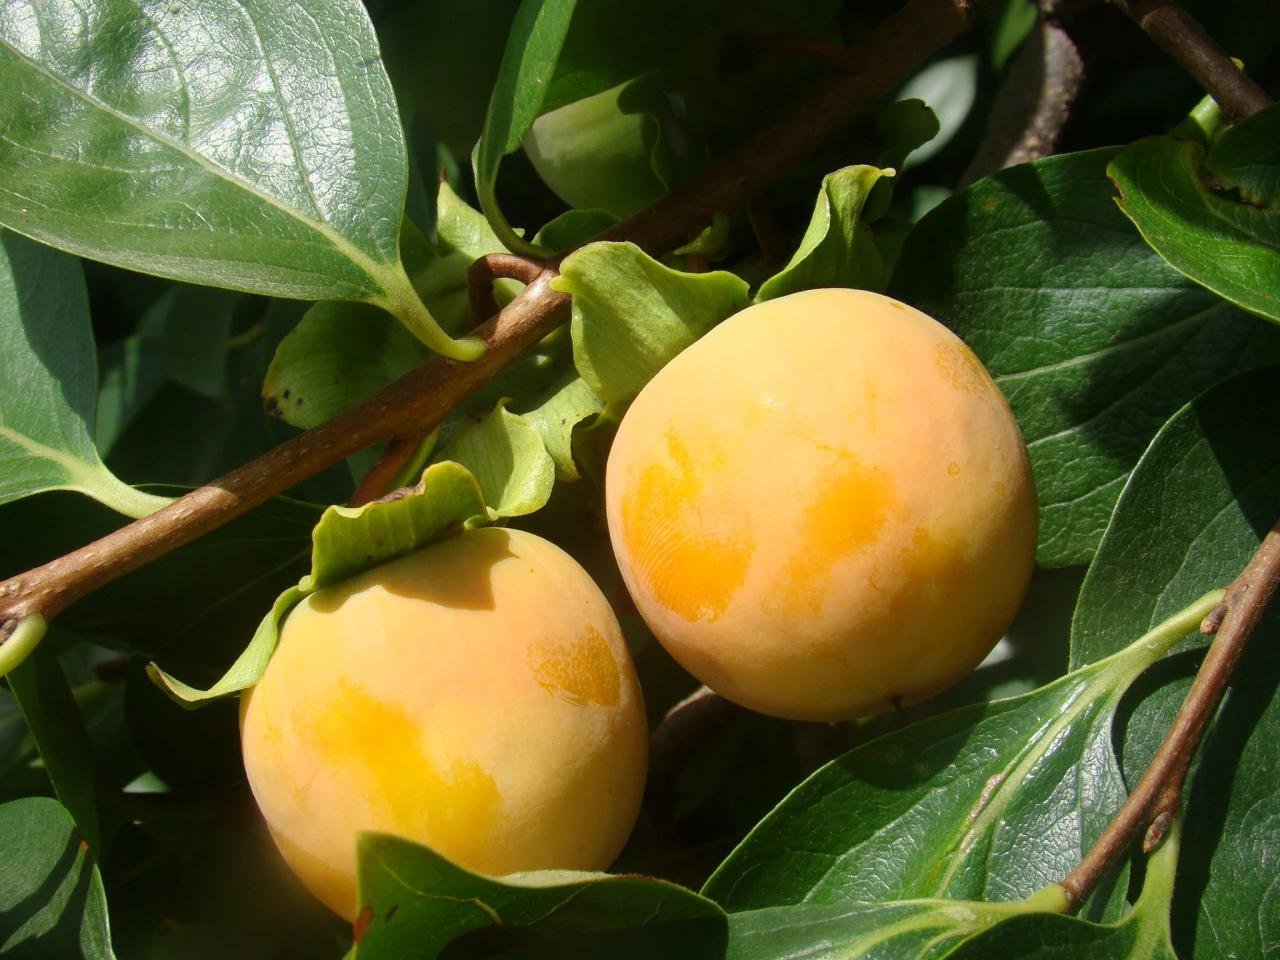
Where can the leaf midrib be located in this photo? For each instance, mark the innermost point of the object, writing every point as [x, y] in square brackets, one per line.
[372, 268]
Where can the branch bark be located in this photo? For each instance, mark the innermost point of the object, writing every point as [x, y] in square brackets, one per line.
[1156, 799]
[1035, 101]
[420, 400]
[1186, 41]
[412, 406]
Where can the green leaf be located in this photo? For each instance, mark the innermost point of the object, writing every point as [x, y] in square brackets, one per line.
[342, 353]
[901, 128]
[263, 152]
[51, 895]
[1214, 217]
[991, 802]
[41, 689]
[631, 314]
[347, 541]
[528, 63]
[506, 455]
[1195, 510]
[1192, 514]
[419, 904]
[837, 249]
[918, 929]
[47, 382]
[1013, 25]
[608, 151]
[575, 403]
[1092, 337]
[1143, 934]
[339, 354]
[573, 228]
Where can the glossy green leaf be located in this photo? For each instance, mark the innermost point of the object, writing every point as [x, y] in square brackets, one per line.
[838, 249]
[557, 419]
[48, 382]
[631, 314]
[1092, 337]
[1215, 217]
[506, 455]
[1143, 934]
[41, 690]
[341, 353]
[1194, 512]
[991, 802]
[51, 896]
[257, 148]
[419, 904]
[528, 63]
[915, 929]
[347, 541]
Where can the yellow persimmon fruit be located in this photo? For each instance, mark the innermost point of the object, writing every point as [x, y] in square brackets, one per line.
[824, 507]
[476, 697]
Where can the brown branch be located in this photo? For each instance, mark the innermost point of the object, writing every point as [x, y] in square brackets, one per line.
[414, 404]
[496, 266]
[1157, 797]
[420, 400]
[1182, 37]
[1035, 101]
[379, 477]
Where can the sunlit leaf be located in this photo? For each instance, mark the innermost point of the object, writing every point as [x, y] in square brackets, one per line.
[256, 147]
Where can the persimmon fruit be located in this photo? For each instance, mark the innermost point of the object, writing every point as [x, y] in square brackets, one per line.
[824, 507]
[475, 696]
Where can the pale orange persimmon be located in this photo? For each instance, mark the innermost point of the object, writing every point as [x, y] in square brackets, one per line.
[476, 697]
[824, 507]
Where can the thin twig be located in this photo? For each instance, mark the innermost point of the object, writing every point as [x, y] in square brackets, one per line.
[378, 478]
[1157, 797]
[1182, 37]
[496, 266]
[421, 399]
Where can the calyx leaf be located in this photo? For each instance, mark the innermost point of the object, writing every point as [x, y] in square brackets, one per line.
[631, 314]
[347, 541]
[837, 249]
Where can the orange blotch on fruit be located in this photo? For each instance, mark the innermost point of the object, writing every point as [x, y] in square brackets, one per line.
[692, 564]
